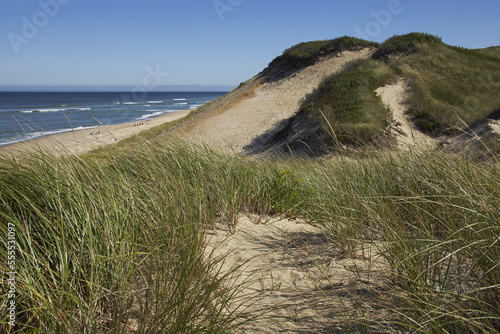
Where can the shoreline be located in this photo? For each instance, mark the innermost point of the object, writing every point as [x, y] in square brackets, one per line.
[82, 141]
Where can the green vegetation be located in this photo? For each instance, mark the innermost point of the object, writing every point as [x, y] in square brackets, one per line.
[307, 53]
[405, 45]
[434, 219]
[348, 103]
[452, 88]
[109, 243]
[492, 51]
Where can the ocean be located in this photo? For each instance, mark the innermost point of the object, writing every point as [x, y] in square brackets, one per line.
[30, 115]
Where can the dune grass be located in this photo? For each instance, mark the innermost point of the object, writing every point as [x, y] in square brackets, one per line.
[308, 52]
[453, 88]
[111, 243]
[434, 219]
[348, 105]
[114, 243]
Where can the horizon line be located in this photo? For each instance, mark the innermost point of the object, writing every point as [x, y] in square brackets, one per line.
[116, 88]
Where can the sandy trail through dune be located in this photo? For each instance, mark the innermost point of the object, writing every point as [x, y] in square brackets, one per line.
[396, 97]
[288, 271]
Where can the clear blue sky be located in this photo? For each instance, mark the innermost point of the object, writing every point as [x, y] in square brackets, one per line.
[205, 42]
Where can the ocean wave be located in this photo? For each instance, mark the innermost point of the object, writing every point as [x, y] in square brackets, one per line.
[53, 110]
[54, 132]
[131, 102]
[180, 104]
[44, 110]
[183, 99]
[154, 114]
[40, 134]
[194, 106]
[10, 142]
[155, 101]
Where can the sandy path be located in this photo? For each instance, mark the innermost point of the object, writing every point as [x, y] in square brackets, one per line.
[266, 272]
[396, 97]
[289, 272]
[271, 103]
[81, 141]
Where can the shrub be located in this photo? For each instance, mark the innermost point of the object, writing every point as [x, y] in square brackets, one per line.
[405, 44]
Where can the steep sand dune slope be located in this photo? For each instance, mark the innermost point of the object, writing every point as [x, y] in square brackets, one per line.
[264, 104]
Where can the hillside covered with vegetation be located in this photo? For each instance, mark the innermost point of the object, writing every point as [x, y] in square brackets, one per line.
[453, 88]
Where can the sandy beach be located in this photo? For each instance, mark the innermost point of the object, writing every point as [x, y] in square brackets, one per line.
[83, 141]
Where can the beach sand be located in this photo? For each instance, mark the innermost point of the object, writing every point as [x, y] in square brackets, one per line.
[82, 141]
[289, 272]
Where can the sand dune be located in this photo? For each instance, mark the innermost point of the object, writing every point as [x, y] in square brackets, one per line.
[267, 105]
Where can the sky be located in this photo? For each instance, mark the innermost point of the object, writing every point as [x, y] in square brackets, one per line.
[203, 44]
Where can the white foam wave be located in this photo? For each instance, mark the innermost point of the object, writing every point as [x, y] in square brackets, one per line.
[39, 134]
[51, 109]
[180, 104]
[194, 106]
[85, 127]
[131, 102]
[48, 133]
[10, 142]
[154, 114]
[183, 99]
[155, 101]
